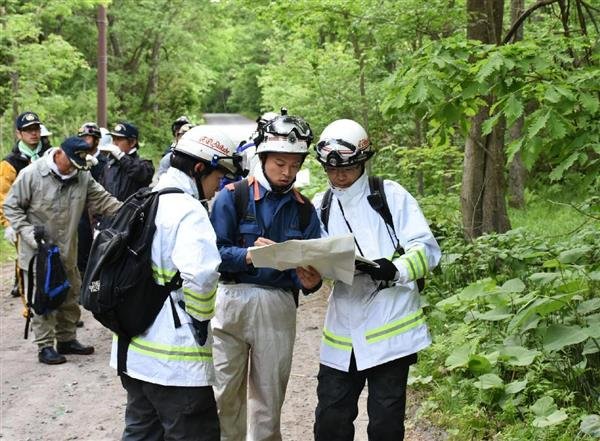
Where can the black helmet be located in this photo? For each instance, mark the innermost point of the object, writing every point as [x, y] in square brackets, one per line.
[90, 128]
[178, 123]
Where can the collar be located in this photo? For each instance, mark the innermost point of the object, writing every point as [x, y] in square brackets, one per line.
[30, 153]
[49, 157]
[356, 190]
[174, 177]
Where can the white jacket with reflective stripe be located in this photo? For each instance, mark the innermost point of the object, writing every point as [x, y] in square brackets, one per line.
[184, 241]
[379, 325]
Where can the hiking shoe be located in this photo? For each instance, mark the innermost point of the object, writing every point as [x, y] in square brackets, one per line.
[15, 291]
[74, 347]
[48, 355]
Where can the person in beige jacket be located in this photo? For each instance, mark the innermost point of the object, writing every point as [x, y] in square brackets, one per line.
[52, 193]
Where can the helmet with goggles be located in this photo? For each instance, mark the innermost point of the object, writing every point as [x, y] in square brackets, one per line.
[178, 123]
[211, 146]
[343, 143]
[91, 129]
[285, 134]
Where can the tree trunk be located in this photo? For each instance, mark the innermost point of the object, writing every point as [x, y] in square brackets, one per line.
[517, 174]
[483, 204]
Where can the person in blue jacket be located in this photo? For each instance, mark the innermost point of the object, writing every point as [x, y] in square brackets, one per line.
[255, 318]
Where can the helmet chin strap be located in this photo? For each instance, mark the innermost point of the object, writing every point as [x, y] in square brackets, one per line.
[198, 179]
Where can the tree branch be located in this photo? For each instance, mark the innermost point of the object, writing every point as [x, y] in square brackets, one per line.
[515, 26]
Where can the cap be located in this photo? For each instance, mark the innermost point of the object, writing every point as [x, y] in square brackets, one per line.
[125, 130]
[91, 129]
[27, 119]
[44, 131]
[77, 150]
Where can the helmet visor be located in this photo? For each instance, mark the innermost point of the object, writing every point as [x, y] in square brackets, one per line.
[285, 125]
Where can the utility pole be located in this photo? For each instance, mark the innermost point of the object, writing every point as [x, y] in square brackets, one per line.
[102, 66]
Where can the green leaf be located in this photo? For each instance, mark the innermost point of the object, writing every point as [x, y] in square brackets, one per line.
[488, 124]
[558, 171]
[544, 278]
[478, 364]
[589, 102]
[512, 285]
[590, 425]
[518, 355]
[489, 381]
[557, 337]
[515, 387]
[589, 306]
[459, 357]
[543, 406]
[494, 315]
[478, 289]
[590, 347]
[419, 93]
[553, 419]
[572, 256]
[513, 109]
[538, 123]
[593, 330]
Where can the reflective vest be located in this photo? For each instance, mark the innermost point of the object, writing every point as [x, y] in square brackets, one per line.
[379, 324]
[184, 241]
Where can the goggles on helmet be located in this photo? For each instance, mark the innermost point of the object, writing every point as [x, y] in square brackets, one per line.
[285, 126]
[91, 130]
[352, 155]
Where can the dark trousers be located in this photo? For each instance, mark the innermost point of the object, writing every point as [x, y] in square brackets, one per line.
[169, 413]
[338, 394]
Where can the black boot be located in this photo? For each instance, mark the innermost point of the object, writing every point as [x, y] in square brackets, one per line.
[48, 355]
[15, 291]
[74, 347]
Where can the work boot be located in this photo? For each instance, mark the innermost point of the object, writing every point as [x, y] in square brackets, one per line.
[74, 347]
[48, 355]
[15, 291]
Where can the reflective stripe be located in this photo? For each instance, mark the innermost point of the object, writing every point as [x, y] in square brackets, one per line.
[417, 263]
[201, 306]
[398, 327]
[168, 352]
[336, 341]
[162, 275]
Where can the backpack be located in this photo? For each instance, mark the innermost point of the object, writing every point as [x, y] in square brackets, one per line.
[118, 285]
[51, 285]
[378, 202]
[241, 193]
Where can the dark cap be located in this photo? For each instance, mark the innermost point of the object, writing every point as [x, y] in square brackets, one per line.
[125, 130]
[91, 129]
[27, 119]
[76, 149]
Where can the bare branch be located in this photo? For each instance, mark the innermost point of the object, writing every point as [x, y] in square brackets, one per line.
[515, 26]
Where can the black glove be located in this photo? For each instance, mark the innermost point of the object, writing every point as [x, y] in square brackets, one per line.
[387, 271]
[200, 330]
[39, 233]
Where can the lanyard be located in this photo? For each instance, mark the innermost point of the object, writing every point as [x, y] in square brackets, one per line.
[350, 228]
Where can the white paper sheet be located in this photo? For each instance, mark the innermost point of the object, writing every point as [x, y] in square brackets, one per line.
[333, 257]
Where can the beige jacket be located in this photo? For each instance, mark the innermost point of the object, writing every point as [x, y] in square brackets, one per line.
[40, 197]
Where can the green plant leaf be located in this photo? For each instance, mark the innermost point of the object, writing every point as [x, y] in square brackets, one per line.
[489, 381]
[515, 387]
[590, 347]
[544, 278]
[543, 406]
[589, 102]
[538, 123]
[556, 337]
[518, 355]
[478, 364]
[590, 425]
[553, 419]
[513, 285]
[459, 357]
[572, 256]
[494, 315]
[588, 306]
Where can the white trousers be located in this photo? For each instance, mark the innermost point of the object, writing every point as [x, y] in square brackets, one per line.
[254, 329]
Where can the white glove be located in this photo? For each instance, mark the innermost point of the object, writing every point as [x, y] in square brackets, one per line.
[10, 235]
[112, 149]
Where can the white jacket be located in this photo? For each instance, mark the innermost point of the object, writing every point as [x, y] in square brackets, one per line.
[378, 325]
[184, 241]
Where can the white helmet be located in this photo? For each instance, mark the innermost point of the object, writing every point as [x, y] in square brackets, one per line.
[343, 143]
[285, 134]
[44, 131]
[212, 146]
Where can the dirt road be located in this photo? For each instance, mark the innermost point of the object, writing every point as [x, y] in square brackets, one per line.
[83, 398]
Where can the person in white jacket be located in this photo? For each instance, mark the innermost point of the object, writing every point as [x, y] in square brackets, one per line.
[374, 327]
[169, 370]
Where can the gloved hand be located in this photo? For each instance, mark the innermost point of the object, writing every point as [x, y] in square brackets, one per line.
[200, 330]
[39, 233]
[112, 149]
[387, 271]
[10, 235]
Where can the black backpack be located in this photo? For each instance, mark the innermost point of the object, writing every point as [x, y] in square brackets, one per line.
[118, 285]
[378, 202]
[51, 285]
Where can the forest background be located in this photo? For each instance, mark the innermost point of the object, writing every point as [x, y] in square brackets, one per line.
[488, 111]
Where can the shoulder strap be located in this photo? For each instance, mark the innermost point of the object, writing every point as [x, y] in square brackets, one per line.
[378, 201]
[241, 192]
[325, 205]
[304, 212]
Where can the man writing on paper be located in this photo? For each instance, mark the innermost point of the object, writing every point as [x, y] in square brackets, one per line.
[255, 319]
